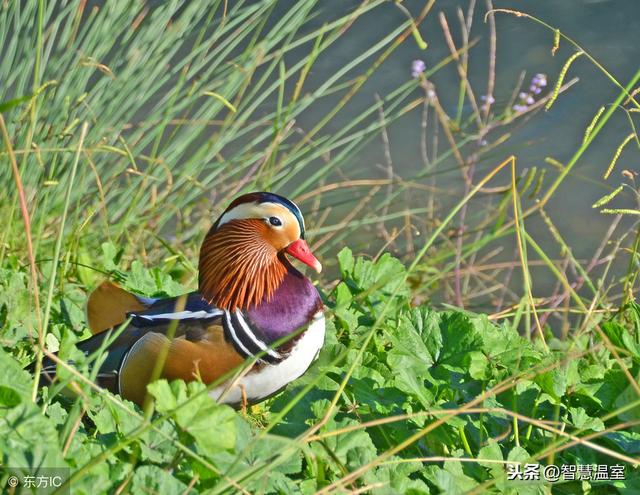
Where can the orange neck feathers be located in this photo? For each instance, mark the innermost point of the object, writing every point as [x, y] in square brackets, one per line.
[238, 267]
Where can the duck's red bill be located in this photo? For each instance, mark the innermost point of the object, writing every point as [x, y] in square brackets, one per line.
[300, 251]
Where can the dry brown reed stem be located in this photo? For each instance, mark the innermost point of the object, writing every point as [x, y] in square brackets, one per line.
[491, 81]
[196, 477]
[124, 483]
[367, 488]
[103, 201]
[389, 165]
[445, 124]
[27, 228]
[393, 235]
[445, 459]
[461, 69]
[595, 260]
[76, 424]
[591, 436]
[468, 176]
[544, 425]
[406, 417]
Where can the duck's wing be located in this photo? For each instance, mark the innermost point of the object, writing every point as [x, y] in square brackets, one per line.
[210, 343]
[108, 305]
[182, 308]
[196, 344]
[195, 349]
[207, 343]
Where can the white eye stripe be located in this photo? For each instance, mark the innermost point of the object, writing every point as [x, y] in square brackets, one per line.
[260, 211]
[245, 210]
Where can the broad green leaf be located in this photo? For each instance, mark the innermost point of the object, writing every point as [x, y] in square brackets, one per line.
[581, 420]
[627, 397]
[478, 365]
[451, 479]
[416, 345]
[375, 281]
[607, 391]
[28, 438]
[86, 274]
[519, 454]
[397, 476]
[553, 383]
[346, 261]
[109, 418]
[492, 452]
[459, 339]
[152, 479]
[211, 425]
[621, 336]
[14, 378]
[110, 256]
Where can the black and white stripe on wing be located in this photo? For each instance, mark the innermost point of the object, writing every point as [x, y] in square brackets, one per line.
[163, 311]
[247, 339]
[144, 320]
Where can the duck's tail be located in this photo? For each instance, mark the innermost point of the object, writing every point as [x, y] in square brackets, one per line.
[107, 307]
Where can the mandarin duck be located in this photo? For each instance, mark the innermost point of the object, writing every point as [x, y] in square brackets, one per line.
[249, 297]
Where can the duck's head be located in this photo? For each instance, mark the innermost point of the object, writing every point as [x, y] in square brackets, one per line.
[243, 258]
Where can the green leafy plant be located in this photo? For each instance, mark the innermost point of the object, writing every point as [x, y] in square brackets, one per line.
[441, 401]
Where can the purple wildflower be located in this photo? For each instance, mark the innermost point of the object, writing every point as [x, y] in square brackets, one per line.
[526, 99]
[488, 101]
[417, 68]
[539, 80]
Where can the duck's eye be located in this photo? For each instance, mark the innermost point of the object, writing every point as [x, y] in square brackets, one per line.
[275, 221]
